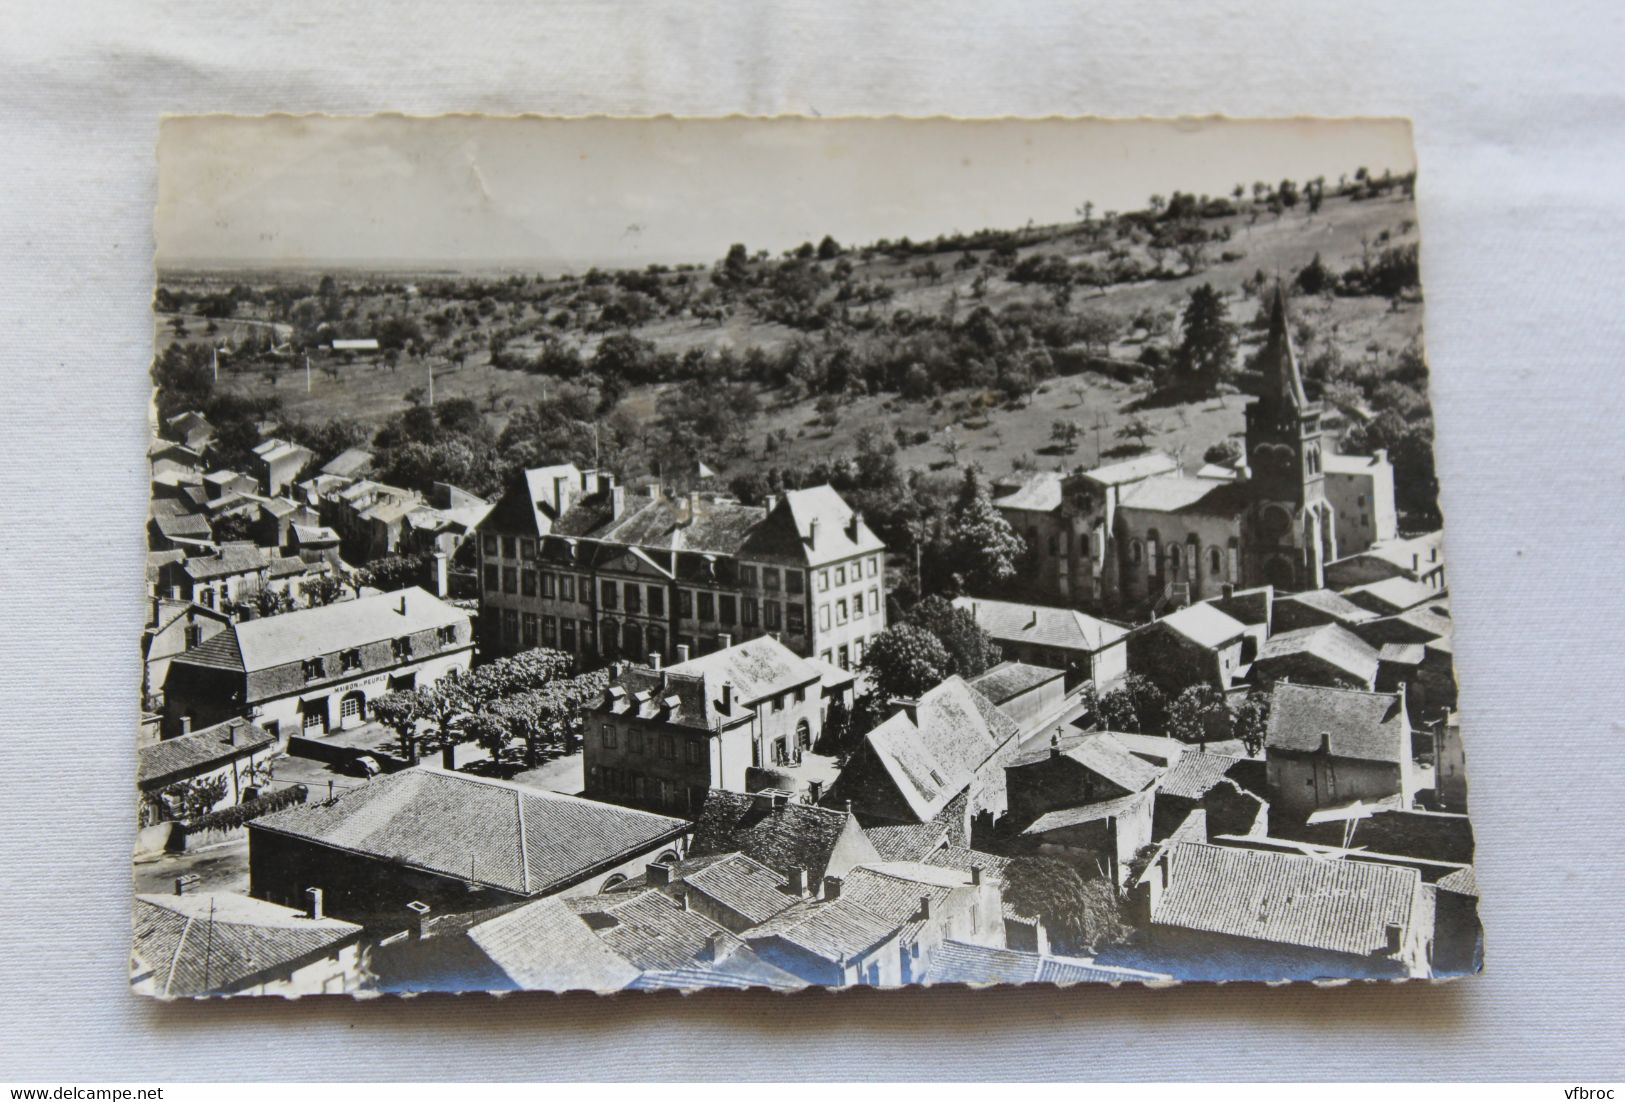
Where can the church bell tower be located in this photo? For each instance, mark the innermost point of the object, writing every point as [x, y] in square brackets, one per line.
[1288, 531]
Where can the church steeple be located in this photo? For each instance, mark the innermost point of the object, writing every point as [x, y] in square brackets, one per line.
[1283, 385]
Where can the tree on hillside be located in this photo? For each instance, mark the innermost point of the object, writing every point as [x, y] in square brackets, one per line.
[971, 650]
[1081, 914]
[1207, 350]
[828, 248]
[983, 549]
[1251, 722]
[904, 661]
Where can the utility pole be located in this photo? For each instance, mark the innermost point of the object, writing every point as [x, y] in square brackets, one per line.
[307, 372]
[431, 384]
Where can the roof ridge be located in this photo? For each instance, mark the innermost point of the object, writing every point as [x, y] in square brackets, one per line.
[524, 852]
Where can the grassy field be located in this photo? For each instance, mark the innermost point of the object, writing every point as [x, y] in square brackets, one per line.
[962, 426]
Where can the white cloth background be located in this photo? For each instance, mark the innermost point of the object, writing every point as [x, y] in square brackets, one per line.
[1520, 128]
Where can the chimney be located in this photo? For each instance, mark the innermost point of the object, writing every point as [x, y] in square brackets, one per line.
[727, 696]
[832, 887]
[1416, 561]
[925, 908]
[186, 725]
[1228, 589]
[1055, 743]
[1380, 456]
[313, 903]
[682, 652]
[910, 707]
[770, 502]
[402, 608]
[231, 734]
[724, 641]
[617, 502]
[712, 949]
[798, 881]
[558, 492]
[665, 676]
[812, 532]
[184, 883]
[442, 574]
[659, 876]
[855, 525]
[975, 875]
[654, 662]
[419, 917]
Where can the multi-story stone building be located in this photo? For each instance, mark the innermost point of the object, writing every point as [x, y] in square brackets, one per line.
[573, 560]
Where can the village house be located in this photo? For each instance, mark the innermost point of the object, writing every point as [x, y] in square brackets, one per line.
[1027, 694]
[1194, 645]
[731, 889]
[1426, 672]
[191, 429]
[1326, 747]
[1415, 558]
[1360, 489]
[314, 669]
[673, 946]
[369, 517]
[1326, 655]
[1215, 911]
[743, 718]
[571, 559]
[1392, 596]
[425, 841]
[349, 463]
[174, 464]
[930, 904]
[801, 842]
[189, 945]
[173, 627]
[277, 464]
[237, 573]
[1088, 649]
[236, 752]
[940, 758]
[831, 943]
[184, 532]
[1314, 607]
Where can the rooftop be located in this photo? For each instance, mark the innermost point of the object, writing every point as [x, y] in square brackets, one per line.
[545, 946]
[1333, 644]
[187, 755]
[521, 840]
[304, 633]
[758, 668]
[1349, 722]
[983, 965]
[1194, 775]
[782, 835]
[203, 944]
[1041, 625]
[1180, 494]
[1086, 813]
[1011, 679]
[833, 930]
[1203, 625]
[1132, 470]
[1337, 906]
[1101, 753]
[1391, 595]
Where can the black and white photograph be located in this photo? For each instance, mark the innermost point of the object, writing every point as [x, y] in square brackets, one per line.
[622, 555]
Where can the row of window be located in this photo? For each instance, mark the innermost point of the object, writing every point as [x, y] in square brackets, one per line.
[350, 660]
[845, 609]
[665, 744]
[1181, 560]
[846, 655]
[848, 572]
[613, 781]
[1060, 543]
[768, 578]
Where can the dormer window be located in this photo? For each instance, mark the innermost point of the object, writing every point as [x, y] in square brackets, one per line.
[403, 647]
[350, 659]
[314, 668]
[447, 635]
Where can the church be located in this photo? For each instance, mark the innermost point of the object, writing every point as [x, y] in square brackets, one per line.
[1142, 536]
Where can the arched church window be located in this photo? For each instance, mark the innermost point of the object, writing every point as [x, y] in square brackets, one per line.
[1135, 551]
[1213, 566]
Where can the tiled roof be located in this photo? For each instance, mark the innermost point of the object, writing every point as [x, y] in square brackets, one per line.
[1203, 625]
[1462, 882]
[1338, 906]
[1391, 595]
[202, 944]
[1194, 775]
[1042, 493]
[725, 975]
[294, 636]
[1332, 604]
[894, 889]
[545, 946]
[758, 668]
[931, 758]
[1355, 724]
[1087, 813]
[1132, 470]
[907, 841]
[983, 965]
[1181, 494]
[349, 463]
[1425, 551]
[683, 524]
[183, 526]
[1099, 752]
[650, 929]
[1041, 625]
[786, 533]
[1415, 625]
[741, 884]
[1247, 606]
[674, 697]
[1009, 679]
[1402, 654]
[187, 755]
[522, 840]
[1333, 644]
[833, 930]
[783, 837]
[232, 558]
[925, 782]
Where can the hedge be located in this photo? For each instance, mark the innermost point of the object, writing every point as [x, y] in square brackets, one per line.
[230, 818]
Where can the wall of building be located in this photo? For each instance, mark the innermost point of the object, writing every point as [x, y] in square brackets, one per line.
[844, 642]
[1173, 662]
[1364, 504]
[1301, 783]
[1176, 550]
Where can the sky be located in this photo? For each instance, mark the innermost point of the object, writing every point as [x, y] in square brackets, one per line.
[565, 194]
